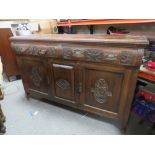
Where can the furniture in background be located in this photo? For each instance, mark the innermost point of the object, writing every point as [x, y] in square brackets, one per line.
[146, 74]
[6, 53]
[68, 24]
[94, 73]
[144, 103]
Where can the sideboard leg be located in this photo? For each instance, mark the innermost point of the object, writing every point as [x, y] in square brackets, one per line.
[124, 126]
[27, 95]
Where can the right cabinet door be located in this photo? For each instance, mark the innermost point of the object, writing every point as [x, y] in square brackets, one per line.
[102, 91]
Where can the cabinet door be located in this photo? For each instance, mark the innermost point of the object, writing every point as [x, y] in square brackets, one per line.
[64, 82]
[102, 91]
[35, 75]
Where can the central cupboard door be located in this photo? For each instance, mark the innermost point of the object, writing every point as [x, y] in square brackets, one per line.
[65, 81]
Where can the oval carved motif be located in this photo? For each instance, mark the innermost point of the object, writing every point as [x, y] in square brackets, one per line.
[101, 91]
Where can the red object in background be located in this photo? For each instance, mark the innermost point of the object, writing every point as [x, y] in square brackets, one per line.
[150, 65]
[147, 95]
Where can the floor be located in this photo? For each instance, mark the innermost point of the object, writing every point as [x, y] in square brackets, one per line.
[35, 117]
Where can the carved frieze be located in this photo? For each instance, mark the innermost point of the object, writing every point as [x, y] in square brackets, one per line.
[63, 84]
[110, 56]
[101, 91]
[51, 51]
[36, 77]
[67, 53]
[126, 57]
[34, 50]
[95, 55]
[18, 49]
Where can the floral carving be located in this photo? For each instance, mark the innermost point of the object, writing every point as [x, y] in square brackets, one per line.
[36, 78]
[110, 56]
[101, 91]
[51, 51]
[34, 50]
[93, 55]
[18, 49]
[126, 57]
[67, 53]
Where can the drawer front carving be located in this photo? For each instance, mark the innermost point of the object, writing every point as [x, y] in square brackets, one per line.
[64, 81]
[67, 53]
[93, 55]
[35, 50]
[102, 90]
[119, 56]
[126, 57]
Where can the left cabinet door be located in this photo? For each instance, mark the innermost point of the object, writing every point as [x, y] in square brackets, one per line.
[35, 75]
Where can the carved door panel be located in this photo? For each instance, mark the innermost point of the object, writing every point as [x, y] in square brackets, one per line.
[102, 90]
[35, 75]
[64, 82]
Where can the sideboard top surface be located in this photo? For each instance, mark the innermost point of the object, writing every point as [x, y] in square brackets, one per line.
[86, 38]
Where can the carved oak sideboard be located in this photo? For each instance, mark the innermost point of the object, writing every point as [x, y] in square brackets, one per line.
[94, 73]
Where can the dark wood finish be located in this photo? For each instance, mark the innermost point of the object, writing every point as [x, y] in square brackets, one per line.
[34, 73]
[8, 56]
[93, 73]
